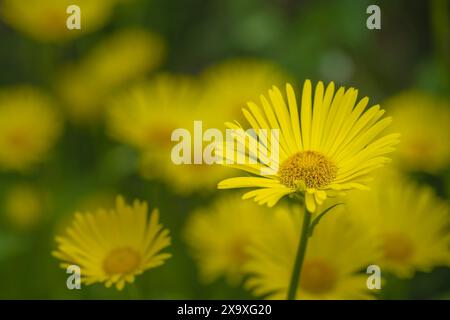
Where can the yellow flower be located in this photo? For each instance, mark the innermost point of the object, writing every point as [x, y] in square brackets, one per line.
[229, 85]
[24, 206]
[145, 117]
[220, 234]
[423, 122]
[337, 251]
[117, 60]
[184, 179]
[408, 221]
[329, 146]
[114, 246]
[45, 20]
[29, 127]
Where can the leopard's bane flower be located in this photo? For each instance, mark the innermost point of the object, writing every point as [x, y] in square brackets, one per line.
[24, 206]
[116, 245]
[145, 117]
[337, 251]
[229, 85]
[184, 179]
[422, 120]
[220, 234]
[327, 146]
[409, 222]
[29, 127]
[45, 20]
[117, 60]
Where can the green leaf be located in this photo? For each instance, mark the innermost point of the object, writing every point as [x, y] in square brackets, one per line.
[316, 221]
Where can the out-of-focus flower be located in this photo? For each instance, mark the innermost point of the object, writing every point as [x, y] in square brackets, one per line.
[219, 236]
[45, 20]
[29, 127]
[337, 251]
[230, 85]
[116, 245]
[327, 146]
[184, 179]
[145, 118]
[423, 122]
[24, 206]
[116, 61]
[408, 221]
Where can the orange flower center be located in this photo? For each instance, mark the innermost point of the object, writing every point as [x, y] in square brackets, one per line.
[238, 249]
[317, 277]
[121, 261]
[18, 140]
[308, 169]
[159, 136]
[397, 247]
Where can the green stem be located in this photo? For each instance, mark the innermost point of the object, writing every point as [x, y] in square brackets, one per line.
[301, 251]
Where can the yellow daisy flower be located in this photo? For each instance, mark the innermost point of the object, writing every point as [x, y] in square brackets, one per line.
[219, 237]
[184, 179]
[24, 206]
[29, 127]
[409, 222]
[337, 251]
[423, 122]
[145, 117]
[229, 85]
[114, 246]
[45, 20]
[117, 60]
[330, 145]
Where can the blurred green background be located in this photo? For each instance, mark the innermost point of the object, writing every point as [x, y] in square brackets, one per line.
[319, 40]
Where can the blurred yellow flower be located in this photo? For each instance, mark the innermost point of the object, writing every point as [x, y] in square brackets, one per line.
[116, 245]
[145, 116]
[230, 85]
[423, 122]
[329, 146]
[119, 59]
[337, 251]
[24, 206]
[184, 179]
[45, 20]
[408, 221]
[29, 127]
[219, 236]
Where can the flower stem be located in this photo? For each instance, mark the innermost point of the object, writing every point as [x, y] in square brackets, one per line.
[301, 251]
